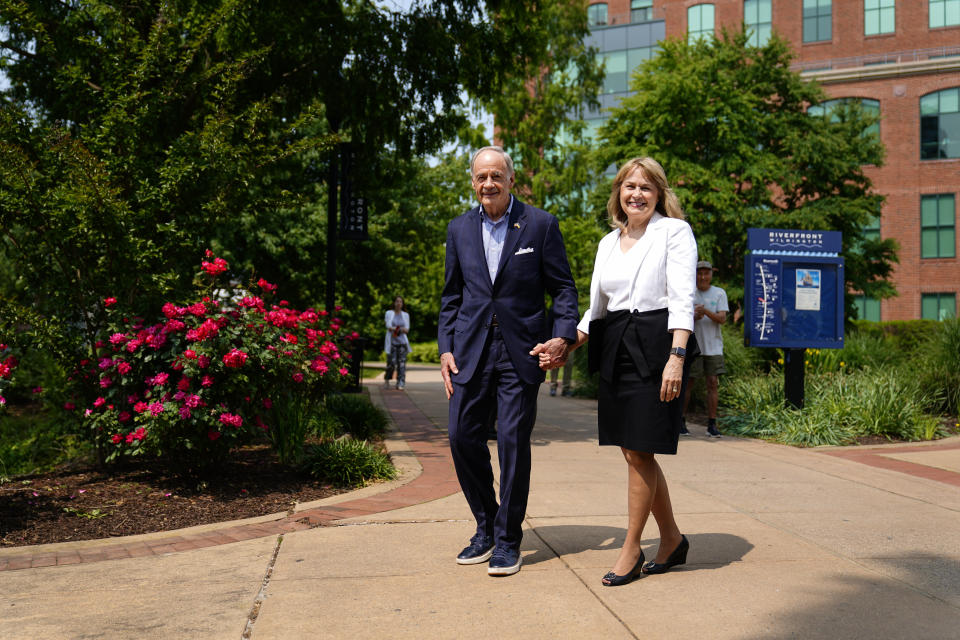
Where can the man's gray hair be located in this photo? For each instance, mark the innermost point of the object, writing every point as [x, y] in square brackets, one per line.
[506, 157]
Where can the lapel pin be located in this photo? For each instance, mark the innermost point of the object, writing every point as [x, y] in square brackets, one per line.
[516, 225]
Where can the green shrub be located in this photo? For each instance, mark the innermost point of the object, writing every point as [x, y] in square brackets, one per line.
[347, 462]
[838, 408]
[36, 442]
[424, 352]
[938, 367]
[903, 335]
[357, 416]
[741, 360]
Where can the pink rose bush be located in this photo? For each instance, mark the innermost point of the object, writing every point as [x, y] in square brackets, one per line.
[211, 374]
[8, 363]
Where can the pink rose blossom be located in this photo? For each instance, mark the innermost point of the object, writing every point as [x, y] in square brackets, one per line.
[213, 435]
[218, 266]
[99, 402]
[206, 381]
[235, 358]
[109, 302]
[156, 408]
[124, 416]
[116, 438]
[297, 377]
[124, 368]
[231, 419]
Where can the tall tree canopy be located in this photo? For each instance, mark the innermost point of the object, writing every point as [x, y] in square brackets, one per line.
[728, 122]
[137, 134]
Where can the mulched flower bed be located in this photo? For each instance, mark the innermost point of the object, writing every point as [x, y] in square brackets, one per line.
[87, 504]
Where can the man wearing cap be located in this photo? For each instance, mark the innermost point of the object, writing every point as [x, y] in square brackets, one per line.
[709, 313]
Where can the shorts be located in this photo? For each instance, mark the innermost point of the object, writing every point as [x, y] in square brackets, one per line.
[707, 365]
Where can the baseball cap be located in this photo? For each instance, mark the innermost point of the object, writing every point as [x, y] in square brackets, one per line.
[704, 264]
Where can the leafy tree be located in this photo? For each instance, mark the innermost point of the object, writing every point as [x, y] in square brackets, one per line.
[728, 122]
[137, 135]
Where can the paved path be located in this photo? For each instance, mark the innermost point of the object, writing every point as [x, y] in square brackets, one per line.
[785, 543]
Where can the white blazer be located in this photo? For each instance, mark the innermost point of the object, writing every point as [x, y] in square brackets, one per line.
[665, 278]
[388, 320]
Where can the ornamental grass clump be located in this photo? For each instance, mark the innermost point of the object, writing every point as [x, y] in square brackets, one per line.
[358, 416]
[347, 462]
[211, 373]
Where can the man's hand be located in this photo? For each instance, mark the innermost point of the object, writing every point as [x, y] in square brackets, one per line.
[699, 311]
[448, 366]
[552, 353]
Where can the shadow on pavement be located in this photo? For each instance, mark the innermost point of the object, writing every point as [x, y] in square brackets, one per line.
[707, 550]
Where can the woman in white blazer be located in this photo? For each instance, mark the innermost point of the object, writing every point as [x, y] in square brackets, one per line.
[396, 344]
[641, 322]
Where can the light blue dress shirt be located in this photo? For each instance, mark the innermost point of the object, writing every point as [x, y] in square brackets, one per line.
[494, 233]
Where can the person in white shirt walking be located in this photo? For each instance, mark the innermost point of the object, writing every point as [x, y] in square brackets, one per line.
[396, 343]
[709, 313]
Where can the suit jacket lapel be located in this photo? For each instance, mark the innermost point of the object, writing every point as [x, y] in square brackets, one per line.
[515, 226]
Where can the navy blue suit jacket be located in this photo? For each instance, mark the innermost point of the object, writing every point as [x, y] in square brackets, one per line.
[533, 261]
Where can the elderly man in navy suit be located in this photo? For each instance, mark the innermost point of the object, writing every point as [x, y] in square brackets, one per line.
[502, 256]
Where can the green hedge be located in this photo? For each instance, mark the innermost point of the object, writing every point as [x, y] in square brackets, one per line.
[904, 335]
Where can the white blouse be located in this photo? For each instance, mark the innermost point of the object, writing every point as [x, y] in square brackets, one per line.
[659, 271]
[617, 277]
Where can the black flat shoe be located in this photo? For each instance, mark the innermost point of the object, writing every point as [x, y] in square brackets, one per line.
[613, 580]
[679, 556]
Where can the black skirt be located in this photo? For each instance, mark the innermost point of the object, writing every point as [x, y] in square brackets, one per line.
[630, 413]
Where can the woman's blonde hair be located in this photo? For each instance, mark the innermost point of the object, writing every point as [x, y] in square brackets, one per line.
[667, 202]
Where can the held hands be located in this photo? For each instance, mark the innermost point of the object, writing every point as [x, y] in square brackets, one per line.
[699, 311]
[447, 366]
[552, 353]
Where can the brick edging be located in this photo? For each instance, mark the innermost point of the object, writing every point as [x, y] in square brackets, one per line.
[876, 457]
[437, 480]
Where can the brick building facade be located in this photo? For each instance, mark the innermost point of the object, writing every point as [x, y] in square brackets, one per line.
[900, 57]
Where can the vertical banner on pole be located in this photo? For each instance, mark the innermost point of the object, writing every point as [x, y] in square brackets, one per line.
[353, 207]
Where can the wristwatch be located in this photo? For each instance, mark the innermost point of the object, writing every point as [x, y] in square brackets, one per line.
[680, 352]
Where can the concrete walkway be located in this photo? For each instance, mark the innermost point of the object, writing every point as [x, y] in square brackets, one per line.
[785, 543]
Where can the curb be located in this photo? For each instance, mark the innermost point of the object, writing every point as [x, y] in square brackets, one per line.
[416, 437]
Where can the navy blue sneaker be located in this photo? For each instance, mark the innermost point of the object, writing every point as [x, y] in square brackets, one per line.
[505, 562]
[479, 550]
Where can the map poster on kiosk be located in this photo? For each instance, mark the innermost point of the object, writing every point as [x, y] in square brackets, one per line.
[794, 285]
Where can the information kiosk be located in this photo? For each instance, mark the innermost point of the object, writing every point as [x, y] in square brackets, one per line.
[793, 297]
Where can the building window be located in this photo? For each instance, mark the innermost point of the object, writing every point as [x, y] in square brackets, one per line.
[758, 18]
[616, 76]
[879, 16]
[944, 13]
[699, 22]
[940, 124]
[867, 308]
[938, 306]
[871, 230]
[597, 14]
[937, 227]
[641, 10]
[833, 108]
[816, 20]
